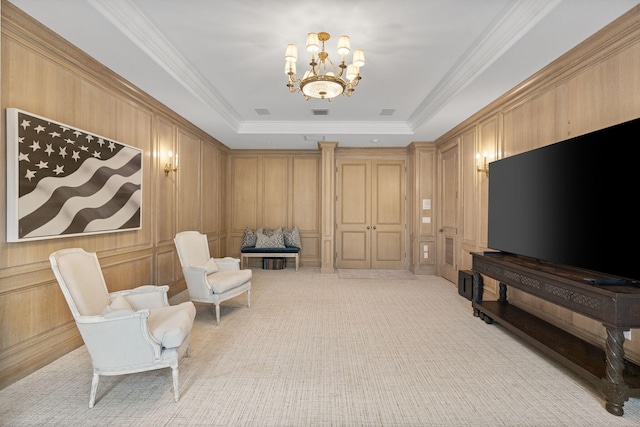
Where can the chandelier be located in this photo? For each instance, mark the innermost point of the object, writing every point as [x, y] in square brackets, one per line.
[324, 80]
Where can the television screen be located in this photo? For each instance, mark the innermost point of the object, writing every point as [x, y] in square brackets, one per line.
[572, 202]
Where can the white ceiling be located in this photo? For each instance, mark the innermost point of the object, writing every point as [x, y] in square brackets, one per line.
[434, 62]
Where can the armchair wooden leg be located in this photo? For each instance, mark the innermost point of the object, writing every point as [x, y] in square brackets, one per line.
[218, 314]
[249, 298]
[176, 386]
[94, 389]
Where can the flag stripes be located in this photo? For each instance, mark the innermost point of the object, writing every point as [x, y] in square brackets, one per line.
[72, 182]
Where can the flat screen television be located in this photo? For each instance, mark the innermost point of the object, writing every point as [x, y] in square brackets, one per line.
[573, 203]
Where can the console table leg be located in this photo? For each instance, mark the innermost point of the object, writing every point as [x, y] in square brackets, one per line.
[613, 386]
[478, 288]
[502, 298]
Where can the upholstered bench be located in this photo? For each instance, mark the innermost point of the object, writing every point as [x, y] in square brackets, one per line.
[253, 252]
[266, 243]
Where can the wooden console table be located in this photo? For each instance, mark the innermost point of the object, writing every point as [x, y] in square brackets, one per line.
[617, 307]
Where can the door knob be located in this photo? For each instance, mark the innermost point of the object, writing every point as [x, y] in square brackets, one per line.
[368, 227]
[374, 227]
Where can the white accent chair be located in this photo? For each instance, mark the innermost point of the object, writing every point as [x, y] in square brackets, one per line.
[210, 280]
[126, 331]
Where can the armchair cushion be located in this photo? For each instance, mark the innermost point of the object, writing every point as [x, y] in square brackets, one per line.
[212, 266]
[228, 279]
[119, 303]
[171, 325]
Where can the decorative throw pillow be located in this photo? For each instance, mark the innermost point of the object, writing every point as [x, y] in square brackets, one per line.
[276, 240]
[119, 303]
[211, 266]
[268, 232]
[249, 238]
[292, 238]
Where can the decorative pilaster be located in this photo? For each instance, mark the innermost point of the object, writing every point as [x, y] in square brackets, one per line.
[328, 197]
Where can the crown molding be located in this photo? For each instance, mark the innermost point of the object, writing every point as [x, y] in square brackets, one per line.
[134, 24]
[515, 21]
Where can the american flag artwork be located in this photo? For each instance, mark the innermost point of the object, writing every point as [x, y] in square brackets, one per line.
[63, 181]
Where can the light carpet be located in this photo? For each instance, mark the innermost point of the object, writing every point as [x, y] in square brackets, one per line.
[317, 350]
[356, 273]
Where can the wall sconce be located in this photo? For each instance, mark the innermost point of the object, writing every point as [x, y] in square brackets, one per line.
[170, 167]
[485, 166]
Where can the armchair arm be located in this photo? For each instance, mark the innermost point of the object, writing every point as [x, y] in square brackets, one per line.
[119, 339]
[228, 263]
[146, 296]
[196, 279]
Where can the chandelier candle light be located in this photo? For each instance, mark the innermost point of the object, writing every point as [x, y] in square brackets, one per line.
[322, 80]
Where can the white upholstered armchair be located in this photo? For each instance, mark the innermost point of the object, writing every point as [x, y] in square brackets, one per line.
[210, 280]
[126, 331]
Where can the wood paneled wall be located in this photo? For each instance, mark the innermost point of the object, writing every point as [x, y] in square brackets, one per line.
[45, 75]
[271, 188]
[593, 86]
[421, 176]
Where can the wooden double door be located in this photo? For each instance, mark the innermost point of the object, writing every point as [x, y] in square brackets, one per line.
[370, 214]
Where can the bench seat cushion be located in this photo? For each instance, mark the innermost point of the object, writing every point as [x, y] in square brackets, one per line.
[254, 250]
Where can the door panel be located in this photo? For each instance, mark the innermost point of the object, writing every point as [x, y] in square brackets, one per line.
[353, 215]
[370, 213]
[449, 217]
[355, 246]
[388, 215]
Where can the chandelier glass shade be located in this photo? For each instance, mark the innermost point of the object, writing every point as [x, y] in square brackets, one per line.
[324, 79]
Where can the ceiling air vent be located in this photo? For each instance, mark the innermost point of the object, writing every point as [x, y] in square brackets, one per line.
[263, 112]
[320, 112]
[387, 111]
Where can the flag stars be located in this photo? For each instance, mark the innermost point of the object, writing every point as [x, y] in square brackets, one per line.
[64, 129]
[69, 141]
[21, 139]
[100, 142]
[23, 156]
[54, 134]
[25, 124]
[30, 174]
[96, 154]
[63, 152]
[49, 150]
[40, 128]
[112, 146]
[58, 170]
[84, 148]
[43, 165]
[76, 156]
[89, 137]
[77, 133]
[35, 145]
